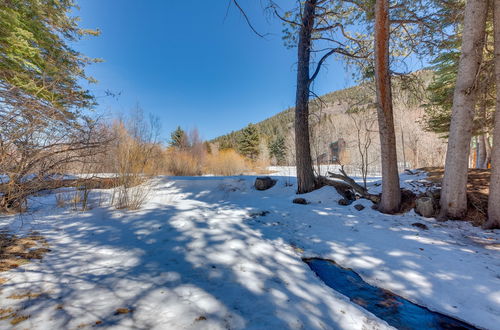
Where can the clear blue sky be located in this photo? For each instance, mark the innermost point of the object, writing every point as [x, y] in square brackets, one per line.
[192, 66]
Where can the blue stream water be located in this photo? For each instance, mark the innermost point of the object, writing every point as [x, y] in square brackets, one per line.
[393, 309]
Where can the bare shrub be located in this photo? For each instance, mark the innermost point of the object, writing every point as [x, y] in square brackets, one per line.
[225, 162]
[135, 159]
[33, 153]
[187, 159]
[183, 163]
[60, 200]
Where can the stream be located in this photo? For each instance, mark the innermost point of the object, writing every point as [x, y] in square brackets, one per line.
[395, 310]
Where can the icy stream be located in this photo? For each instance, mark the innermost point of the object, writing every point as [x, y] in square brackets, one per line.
[393, 309]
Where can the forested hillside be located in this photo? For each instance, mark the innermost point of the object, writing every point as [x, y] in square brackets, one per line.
[344, 128]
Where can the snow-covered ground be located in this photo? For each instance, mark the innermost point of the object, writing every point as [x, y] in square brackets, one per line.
[203, 253]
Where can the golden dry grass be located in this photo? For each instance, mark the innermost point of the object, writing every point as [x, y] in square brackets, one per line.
[478, 183]
[16, 251]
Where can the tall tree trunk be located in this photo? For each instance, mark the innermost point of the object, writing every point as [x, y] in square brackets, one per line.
[305, 173]
[391, 193]
[494, 198]
[488, 150]
[454, 191]
[482, 152]
[482, 156]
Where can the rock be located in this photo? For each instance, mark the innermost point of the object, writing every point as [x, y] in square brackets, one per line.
[349, 195]
[425, 207]
[359, 207]
[264, 183]
[300, 200]
[344, 202]
[420, 225]
[259, 214]
[434, 194]
[408, 199]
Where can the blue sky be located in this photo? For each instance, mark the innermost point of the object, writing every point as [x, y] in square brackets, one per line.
[191, 65]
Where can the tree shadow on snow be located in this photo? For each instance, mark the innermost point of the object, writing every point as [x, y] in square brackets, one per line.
[204, 255]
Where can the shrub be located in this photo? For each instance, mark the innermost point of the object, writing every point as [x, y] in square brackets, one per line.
[226, 162]
[183, 163]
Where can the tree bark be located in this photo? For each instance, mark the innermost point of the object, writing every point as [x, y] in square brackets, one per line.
[494, 197]
[482, 151]
[454, 189]
[305, 173]
[391, 193]
[482, 156]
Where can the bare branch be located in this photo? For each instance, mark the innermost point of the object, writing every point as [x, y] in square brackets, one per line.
[248, 20]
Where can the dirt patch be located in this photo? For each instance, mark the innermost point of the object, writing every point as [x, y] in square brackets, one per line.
[16, 251]
[9, 313]
[478, 185]
[123, 310]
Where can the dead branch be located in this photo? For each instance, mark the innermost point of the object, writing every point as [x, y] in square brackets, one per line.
[354, 185]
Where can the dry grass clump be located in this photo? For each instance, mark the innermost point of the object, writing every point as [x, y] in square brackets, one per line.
[198, 161]
[16, 251]
[226, 162]
[183, 162]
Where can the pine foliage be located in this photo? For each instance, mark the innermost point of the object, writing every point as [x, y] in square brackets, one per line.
[248, 142]
[178, 138]
[277, 149]
[38, 68]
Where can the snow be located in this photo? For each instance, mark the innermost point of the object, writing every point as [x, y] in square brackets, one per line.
[202, 254]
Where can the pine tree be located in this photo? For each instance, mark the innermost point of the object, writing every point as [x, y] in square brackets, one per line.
[248, 142]
[38, 68]
[178, 138]
[391, 195]
[277, 149]
[41, 98]
[438, 109]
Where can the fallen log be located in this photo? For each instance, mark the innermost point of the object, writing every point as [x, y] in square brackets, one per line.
[357, 188]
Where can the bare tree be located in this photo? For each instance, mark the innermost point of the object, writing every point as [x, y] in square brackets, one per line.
[135, 157]
[364, 126]
[36, 145]
[303, 161]
[315, 21]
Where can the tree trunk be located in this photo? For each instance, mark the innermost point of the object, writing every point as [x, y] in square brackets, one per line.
[391, 193]
[482, 152]
[494, 198]
[305, 173]
[454, 189]
[482, 156]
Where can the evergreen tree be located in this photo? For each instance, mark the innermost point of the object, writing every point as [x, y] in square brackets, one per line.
[248, 142]
[178, 138]
[41, 98]
[38, 68]
[438, 110]
[441, 90]
[277, 149]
